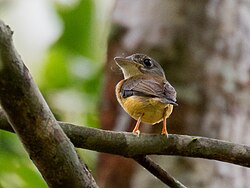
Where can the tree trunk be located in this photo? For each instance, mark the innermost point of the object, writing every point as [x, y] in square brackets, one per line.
[204, 48]
[225, 44]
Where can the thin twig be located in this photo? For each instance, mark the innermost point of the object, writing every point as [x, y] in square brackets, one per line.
[156, 170]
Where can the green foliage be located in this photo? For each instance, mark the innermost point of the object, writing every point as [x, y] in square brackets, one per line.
[15, 169]
[78, 26]
[70, 82]
[56, 68]
[73, 64]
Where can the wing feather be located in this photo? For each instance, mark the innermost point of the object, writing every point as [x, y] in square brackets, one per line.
[150, 87]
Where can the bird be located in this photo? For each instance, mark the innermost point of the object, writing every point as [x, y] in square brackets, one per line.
[144, 93]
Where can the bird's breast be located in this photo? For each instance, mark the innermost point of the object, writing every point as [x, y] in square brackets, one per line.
[151, 109]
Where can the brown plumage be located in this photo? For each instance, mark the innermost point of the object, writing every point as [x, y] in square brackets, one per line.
[144, 93]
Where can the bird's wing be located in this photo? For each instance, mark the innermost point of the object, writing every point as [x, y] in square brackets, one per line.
[149, 88]
[169, 92]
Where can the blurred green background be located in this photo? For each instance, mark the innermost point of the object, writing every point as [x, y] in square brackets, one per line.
[63, 43]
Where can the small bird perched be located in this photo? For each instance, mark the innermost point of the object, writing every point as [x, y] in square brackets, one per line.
[144, 93]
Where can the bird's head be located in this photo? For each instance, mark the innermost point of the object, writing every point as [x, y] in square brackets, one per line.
[139, 64]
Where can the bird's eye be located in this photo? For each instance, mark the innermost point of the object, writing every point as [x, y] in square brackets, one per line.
[147, 62]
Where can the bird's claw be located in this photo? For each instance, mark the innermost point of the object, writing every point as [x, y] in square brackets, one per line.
[136, 132]
[164, 133]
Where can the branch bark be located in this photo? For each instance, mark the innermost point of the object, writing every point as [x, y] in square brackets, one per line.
[129, 145]
[48, 146]
[155, 169]
[144, 161]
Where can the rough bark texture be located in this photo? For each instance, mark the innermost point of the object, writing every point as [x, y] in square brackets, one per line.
[155, 169]
[226, 39]
[129, 145]
[204, 47]
[44, 140]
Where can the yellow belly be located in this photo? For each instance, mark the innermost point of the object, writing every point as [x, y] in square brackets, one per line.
[151, 109]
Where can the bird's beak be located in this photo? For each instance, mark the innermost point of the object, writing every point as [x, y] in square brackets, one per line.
[128, 66]
[121, 61]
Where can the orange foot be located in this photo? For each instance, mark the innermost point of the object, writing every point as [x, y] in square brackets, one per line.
[164, 128]
[136, 130]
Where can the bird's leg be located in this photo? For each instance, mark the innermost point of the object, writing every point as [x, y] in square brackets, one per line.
[164, 128]
[136, 130]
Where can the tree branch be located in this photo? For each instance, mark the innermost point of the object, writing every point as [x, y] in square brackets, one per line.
[155, 169]
[26, 110]
[129, 145]
[144, 161]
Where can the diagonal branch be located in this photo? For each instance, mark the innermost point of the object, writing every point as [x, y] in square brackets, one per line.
[129, 145]
[156, 170]
[144, 161]
[29, 115]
